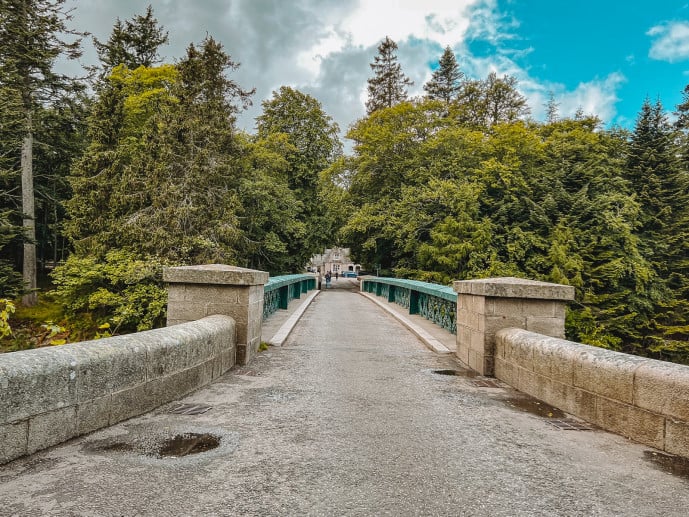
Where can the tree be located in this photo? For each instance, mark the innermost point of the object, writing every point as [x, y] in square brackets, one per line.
[312, 146]
[388, 85]
[551, 108]
[445, 82]
[163, 169]
[494, 100]
[159, 185]
[661, 185]
[503, 102]
[133, 43]
[31, 40]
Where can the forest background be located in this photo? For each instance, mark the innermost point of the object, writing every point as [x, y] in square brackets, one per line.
[107, 178]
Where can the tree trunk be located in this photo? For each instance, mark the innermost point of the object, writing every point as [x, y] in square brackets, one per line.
[28, 211]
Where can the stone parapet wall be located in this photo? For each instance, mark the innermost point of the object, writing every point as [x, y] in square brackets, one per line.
[487, 305]
[50, 395]
[198, 291]
[642, 399]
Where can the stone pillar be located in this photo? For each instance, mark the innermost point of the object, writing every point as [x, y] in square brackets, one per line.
[488, 305]
[195, 292]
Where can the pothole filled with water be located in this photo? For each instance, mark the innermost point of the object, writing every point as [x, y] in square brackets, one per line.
[535, 407]
[459, 373]
[178, 446]
[187, 444]
[675, 465]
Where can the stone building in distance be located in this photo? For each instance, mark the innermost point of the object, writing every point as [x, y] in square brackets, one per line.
[335, 260]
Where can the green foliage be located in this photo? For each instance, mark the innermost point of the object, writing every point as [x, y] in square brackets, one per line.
[445, 83]
[7, 308]
[443, 192]
[133, 43]
[38, 125]
[123, 289]
[163, 168]
[303, 141]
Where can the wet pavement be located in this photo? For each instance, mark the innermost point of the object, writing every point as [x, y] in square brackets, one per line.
[353, 416]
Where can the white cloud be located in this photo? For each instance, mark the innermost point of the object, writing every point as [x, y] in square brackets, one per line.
[671, 41]
[596, 97]
[324, 47]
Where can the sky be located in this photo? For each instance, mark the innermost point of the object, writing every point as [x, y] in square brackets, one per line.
[602, 56]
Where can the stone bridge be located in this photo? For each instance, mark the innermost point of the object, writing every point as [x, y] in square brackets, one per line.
[388, 397]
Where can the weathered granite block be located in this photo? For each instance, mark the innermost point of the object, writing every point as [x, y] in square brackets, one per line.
[36, 381]
[677, 437]
[108, 365]
[93, 414]
[510, 287]
[607, 374]
[135, 401]
[489, 305]
[632, 422]
[664, 388]
[214, 274]
[14, 440]
[51, 428]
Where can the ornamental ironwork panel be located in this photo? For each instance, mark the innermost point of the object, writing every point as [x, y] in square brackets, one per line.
[402, 297]
[271, 302]
[439, 311]
[384, 290]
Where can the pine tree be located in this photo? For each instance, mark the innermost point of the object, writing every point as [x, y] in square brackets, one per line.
[662, 188]
[388, 85]
[551, 109]
[33, 35]
[133, 43]
[163, 168]
[445, 84]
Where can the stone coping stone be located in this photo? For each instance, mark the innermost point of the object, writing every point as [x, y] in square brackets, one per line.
[511, 287]
[214, 274]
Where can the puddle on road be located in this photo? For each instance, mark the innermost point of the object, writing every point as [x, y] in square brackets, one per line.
[186, 444]
[535, 407]
[178, 446]
[469, 374]
[675, 465]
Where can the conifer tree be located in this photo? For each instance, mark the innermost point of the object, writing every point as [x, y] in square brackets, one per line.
[33, 35]
[133, 43]
[445, 84]
[388, 85]
[551, 109]
[662, 188]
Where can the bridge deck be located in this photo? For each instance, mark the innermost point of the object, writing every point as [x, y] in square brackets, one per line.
[348, 418]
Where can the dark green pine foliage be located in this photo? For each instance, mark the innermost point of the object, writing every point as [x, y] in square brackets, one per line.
[445, 83]
[133, 43]
[388, 85]
[662, 187]
[178, 186]
[33, 36]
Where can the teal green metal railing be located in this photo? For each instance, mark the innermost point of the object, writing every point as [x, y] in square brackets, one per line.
[280, 290]
[437, 303]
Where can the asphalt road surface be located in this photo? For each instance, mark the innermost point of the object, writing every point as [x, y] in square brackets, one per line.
[348, 418]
